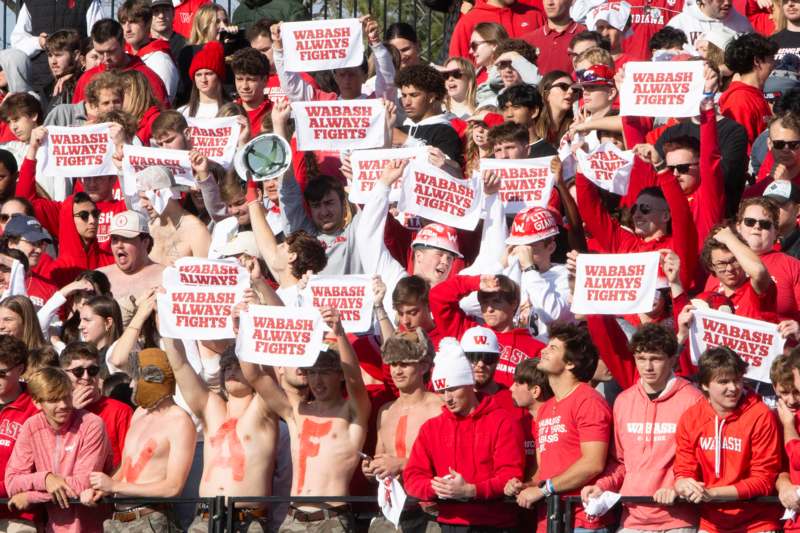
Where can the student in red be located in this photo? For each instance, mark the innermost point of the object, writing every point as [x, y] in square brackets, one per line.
[109, 41]
[412, 307]
[751, 56]
[554, 36]
[56, 451]
[469, 452]
[17, 407]
[25, 234]
[516, 17]
[728, 447]
[661, 218]
[529, 391]
[738, 273]
[574, 426]
[250, 71]
[81, 362]
[499, 298]
[645, 419]
[788, 482]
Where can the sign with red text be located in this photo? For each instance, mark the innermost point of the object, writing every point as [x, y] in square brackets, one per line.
[523, 182]
[662, 89]
[391, 498]
[608, 167]
[339, 124]
[138, 158]
[201, 272]
[615, 284]
[368, 166]
[280, 336]
[78, 152]
[351, 295]
[756, 342]
[313, 45]
[215, 138]
[433, 194]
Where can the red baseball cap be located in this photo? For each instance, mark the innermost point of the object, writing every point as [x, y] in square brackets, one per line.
[438, 236]
[532, 225]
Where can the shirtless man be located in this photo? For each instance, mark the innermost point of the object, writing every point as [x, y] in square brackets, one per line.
[157, 453]
[133, 272]
[327, 433]
[240, 437]
[409, 355]
[176, 233]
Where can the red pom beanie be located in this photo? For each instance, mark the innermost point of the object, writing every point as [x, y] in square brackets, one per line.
[211, 57]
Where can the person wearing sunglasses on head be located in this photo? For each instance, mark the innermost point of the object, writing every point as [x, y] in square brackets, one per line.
[81, 362]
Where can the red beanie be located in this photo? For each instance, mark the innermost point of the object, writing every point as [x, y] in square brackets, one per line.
[211, 57]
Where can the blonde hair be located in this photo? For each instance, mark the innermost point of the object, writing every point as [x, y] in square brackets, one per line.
[31, 332]
[49, 384]
[201, 24]
[596, 56]
[777, 16]
[467, 71]
[138, 94]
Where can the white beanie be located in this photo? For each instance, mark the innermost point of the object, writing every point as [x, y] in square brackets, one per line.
[451, 367]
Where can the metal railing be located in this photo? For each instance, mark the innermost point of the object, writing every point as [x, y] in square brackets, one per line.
[433, 28]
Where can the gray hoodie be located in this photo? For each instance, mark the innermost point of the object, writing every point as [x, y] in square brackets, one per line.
[17, 68]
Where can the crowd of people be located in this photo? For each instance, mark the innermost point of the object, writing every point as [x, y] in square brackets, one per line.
[477, 391]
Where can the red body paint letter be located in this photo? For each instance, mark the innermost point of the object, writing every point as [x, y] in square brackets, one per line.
[400, 437]
[309, 448]
[235, 458]
[131, 472]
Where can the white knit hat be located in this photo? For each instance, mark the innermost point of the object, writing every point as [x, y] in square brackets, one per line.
[451, 367]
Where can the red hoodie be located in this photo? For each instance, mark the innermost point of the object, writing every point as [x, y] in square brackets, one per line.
[134, 63]
[644, 438]
[515, 345]
[485, 447]
[746, 105]
[742, 449]
[793, 460]
[12, 416]
[155, 45]
[518, 20]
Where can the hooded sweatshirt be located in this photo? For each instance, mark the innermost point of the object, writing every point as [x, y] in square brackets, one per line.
[694, 23]
[157, 55]
[515, 345]
[73, 452]
[485, 447]
[746, 105]
[17, 68]
[644, 438]
[134, 63]
[741, 449]
[518, 20]
[12, 417]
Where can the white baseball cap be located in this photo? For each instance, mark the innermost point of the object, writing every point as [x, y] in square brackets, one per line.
[129, 224]
[480, 339]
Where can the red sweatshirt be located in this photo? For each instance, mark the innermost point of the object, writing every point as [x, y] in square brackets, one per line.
[515, 345]
[134, 63]
[742, 449]
[117, 418]
[12, 416]
[146, 124]
[793, 456]
[518, 20]
[184, 15]
[614, 239]
[746, 105]
[485, 447]
[155, 45]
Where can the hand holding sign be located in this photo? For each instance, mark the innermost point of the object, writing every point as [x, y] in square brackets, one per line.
[491, 183]
[662, 89]
[371, 29]
[615, 283]
[313, 45]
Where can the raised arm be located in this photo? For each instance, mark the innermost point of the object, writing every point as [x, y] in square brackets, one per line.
[194, 390]
[265, 383]
[265, 239]
[295, 87]
[752, 265]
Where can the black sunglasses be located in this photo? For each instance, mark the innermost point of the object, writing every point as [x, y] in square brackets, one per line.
[763, 224]
[474, 45]
[784, 145]
[564, 86]
[643, 208]
[79, 372]
[84, 215]
[455, 74]
[488, 358]
[683, 168]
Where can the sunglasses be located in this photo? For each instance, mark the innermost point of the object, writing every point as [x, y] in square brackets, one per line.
[487, 358]
[785, 145]
[683, 168]
[84, 215]
[80, 371]
[763, 224]
[455, 74]
[564, 86]
[502, 65]
[474, 45]
[642, 208]
[4, 372]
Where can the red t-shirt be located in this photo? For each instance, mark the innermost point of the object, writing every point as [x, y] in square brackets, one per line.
[785, 272]
[117, 418]
[747, 302]
[583, 416]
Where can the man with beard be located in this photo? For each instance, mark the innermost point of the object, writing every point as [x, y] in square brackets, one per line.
[158, 450]
[409, 356]
[133, 272]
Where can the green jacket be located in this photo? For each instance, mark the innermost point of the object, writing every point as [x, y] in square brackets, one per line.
[250, 11]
